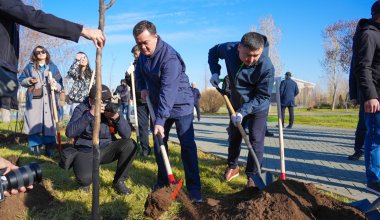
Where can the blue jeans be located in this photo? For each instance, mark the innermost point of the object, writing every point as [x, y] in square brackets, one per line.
[185, 133]
[372, 147]
[124, 109]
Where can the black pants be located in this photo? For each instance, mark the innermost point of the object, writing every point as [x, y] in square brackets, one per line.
[123, 151]
[291, 115]
[143, 118]
[256, 124]
[360, 132]
[198, 112]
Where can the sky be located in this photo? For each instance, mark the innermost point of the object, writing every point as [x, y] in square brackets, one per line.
[192, 27]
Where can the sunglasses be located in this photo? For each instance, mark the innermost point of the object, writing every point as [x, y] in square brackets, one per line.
[40, 52]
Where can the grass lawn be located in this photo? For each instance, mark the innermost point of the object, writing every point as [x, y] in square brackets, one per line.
[339, 118]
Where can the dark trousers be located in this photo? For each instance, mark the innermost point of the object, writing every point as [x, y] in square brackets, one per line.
[256, 124]
[123, 151]
[185, 133]
[291, 115]
[198, 111]
[143, 118]
[360, 132]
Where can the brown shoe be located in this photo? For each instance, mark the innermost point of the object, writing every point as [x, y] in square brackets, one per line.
[250, 183]
[231, 173]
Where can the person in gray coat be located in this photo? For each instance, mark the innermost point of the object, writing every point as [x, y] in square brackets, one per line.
[39, 122]
[288, 91]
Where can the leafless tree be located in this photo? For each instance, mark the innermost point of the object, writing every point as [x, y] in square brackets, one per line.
[338, 52]
[59, 49]
[95, 139]
[273, 34]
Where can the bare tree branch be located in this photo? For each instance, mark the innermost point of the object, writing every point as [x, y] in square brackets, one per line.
[109, 5]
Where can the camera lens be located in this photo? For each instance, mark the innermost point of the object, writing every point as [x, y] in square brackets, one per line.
[23, 176]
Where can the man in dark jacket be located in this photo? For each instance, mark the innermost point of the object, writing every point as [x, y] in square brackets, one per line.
[251, 75]
[123, 150]
[14, 13]
[355, 97]
[366, 52]
[142, 107]
[197, 97]
[160, 73]
[288, 91]
[123, 91]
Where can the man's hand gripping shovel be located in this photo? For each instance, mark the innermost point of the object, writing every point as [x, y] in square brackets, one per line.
[261, 179]
[165, 158]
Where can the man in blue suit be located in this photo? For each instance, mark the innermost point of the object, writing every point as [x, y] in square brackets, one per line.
[288, 91]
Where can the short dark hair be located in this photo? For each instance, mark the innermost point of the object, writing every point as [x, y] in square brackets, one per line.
[134, 49]
[375, 9]
[142, 26]
[252, 41]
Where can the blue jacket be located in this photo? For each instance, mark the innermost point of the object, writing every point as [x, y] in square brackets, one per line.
[29, 71]
[251, 87]
[288, 90]
[80, 127]
[163, 74]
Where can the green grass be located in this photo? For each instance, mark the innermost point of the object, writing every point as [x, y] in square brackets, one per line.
[339, 118]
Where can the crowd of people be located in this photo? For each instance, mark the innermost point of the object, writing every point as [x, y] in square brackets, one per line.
[159, 72]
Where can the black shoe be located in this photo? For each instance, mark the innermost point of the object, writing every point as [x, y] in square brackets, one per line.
[197, 201]
[121, 188]
[356, 156]
[374, 188]
[85, 189]
[269, 134]
[289, 126]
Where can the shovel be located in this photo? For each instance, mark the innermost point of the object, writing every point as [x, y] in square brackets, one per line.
[54, 106]
[261, 179]
[164, 154]
[280, 129]
[135, 111]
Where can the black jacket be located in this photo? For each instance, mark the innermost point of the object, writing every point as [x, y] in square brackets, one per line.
[14, 12]
[366, 58]
[80, 127]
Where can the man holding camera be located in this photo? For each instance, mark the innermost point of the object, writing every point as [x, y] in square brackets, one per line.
[123, 150]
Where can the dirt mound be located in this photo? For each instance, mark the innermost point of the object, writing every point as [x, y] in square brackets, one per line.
[15, 206]
[280, 200]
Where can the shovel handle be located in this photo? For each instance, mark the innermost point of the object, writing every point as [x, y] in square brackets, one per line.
[161, 143]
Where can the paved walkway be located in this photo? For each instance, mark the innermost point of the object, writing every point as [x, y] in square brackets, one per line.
[312, 154]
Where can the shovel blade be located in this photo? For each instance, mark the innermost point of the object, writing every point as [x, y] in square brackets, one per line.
[368, 208]
[263, 179]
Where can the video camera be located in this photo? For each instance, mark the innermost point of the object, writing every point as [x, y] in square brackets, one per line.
[112, 107]
[24, 176]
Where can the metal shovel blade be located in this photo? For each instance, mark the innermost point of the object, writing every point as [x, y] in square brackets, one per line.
[263, 179]
[369, 209]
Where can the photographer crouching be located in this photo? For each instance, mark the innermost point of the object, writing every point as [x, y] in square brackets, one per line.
[123, 150]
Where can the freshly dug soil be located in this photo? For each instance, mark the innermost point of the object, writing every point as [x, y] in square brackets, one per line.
[288, 199]
[38, 199]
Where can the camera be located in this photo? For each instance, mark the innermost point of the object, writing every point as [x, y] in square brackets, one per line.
[24, 176]
[112, 107]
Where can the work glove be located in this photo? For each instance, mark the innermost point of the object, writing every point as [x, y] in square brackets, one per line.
[236, 118]
[214, 80]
